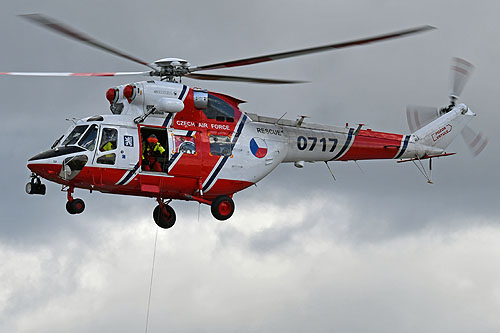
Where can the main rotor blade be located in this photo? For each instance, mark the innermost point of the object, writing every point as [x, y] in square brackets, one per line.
[59, 74]
[63, 29]
[283, 55]
[460, 73]
[214, 77]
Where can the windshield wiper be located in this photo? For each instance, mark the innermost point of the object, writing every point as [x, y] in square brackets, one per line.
[56, 142]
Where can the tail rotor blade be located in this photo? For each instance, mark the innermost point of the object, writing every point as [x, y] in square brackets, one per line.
[460, 73]
[419, 116]
[475, 141]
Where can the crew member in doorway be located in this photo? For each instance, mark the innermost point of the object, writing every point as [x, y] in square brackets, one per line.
[151, 149]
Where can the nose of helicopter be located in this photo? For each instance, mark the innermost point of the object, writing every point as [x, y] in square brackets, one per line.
[36, 168]
[43, 169]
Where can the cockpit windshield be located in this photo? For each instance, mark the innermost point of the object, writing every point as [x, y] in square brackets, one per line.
[84, 135]
[88, 140]
[75, 134]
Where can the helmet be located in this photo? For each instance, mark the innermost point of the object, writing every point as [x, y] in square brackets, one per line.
[110, 134]
[152, 139]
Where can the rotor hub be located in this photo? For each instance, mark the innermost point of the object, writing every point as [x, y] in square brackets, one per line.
[170, 67]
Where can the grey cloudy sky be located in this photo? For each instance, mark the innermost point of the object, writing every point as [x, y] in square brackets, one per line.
[376, 251]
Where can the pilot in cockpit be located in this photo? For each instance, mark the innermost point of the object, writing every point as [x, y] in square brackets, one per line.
[109, 140]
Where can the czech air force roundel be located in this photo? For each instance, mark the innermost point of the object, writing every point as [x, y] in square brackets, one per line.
[258, 147]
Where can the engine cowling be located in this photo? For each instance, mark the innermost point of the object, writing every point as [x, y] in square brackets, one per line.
[140, 97]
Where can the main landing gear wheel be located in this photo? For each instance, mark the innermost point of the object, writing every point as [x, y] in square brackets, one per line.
[164, 218]
[222, 207]
[76, 206]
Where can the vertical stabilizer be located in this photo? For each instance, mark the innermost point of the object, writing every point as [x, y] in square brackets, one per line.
[442, 131]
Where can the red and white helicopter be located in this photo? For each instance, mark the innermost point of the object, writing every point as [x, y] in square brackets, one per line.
[212, 148]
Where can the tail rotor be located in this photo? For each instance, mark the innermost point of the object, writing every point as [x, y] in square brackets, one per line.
[419, 116]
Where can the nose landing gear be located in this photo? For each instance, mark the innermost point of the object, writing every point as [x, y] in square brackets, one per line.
[74, 206]
[35, 185]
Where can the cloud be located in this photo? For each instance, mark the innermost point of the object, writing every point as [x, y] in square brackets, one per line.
[207, 278]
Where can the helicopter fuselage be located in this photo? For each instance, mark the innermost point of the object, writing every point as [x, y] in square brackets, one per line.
[212, 148]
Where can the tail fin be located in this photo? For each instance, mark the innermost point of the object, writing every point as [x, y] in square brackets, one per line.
[442, 131]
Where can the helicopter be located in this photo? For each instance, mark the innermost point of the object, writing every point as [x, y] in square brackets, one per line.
[210, 148]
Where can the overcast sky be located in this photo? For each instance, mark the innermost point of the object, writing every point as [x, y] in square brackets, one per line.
[378, 250]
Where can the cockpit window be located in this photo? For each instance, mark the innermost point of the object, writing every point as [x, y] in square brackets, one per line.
[108, 139]
[74, 135]
[88, 140]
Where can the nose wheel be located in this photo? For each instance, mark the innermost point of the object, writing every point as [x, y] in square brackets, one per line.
[164, 215]
[74, 206]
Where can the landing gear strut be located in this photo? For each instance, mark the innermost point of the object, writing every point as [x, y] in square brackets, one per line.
[164, 215]
[74, 206]
[35, 185]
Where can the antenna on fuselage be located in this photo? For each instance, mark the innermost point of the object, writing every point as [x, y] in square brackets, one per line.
[331, 172]
[277, 121]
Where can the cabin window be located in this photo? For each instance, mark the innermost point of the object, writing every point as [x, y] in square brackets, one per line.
[220, 145]
[75, 134]
[88, 140]
[185, 144]
[218, 109]
[107, 159]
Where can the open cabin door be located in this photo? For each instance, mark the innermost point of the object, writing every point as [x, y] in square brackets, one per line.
[180, 156]
[154, 148]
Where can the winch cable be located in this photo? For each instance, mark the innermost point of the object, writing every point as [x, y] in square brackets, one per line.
[151, 281]
[199, 208]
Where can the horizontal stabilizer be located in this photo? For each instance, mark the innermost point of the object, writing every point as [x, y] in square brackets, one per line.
[425, 157]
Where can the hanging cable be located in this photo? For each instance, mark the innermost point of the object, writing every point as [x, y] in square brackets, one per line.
[199, 208]
[151, 281]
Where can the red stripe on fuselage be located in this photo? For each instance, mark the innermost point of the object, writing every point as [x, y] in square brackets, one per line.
[369, 145]
[145, 185]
